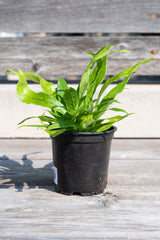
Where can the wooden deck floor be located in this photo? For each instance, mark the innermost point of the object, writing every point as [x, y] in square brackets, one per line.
[31, 209]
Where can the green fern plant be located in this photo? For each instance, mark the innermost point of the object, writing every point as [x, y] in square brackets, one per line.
[77, 110]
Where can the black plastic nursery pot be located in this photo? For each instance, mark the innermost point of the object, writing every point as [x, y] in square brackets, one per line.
[81, 161]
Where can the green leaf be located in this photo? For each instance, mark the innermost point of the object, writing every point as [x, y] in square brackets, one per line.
[82, 102]
[86, 120]
[61, 87]
[116, 90]
[56, 114]
[98, 74]
[96, 78]
[83, 121]
[71, 100]
[61, 124]
[119, 51]
[90, 53]
[27, 119]
[42, 118]
[92, 85]
[47, 119]
[93, 54]
[33, 77]
[96, 125]
[102, 107]
[106, 102]
[102, 53]
[84, 83]
[87, 123]
[104, 127]
[11, 71]
[55, 133]
[35, 125]
[87, 116]
[117, 118]
[102, 48]
[124, 73]
[28, 96]
[112, 120]
[117, 110]
[102, 66]
[47, 87]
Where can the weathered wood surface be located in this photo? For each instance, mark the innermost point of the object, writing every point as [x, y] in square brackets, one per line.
[40, 149]
[79, 16]
[31, 209]
[54, 57]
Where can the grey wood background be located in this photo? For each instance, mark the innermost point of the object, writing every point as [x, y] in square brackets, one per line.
[79, 16]
[52, 57]
[62, 56]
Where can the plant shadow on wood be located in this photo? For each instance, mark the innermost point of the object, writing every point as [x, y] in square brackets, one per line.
[13, 173]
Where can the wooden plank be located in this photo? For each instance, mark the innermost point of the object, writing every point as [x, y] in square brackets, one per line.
[143, 100]
[31, 209]
[129, 173]
[54, 57]
[43, 214]
[41, 149]
[75, 16]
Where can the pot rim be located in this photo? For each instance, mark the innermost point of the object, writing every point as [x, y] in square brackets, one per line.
[110, 130]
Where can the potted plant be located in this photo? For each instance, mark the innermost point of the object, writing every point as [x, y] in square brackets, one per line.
[81, 135]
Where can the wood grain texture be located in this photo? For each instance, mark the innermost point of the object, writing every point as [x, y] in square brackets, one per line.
[43, 214]
[79, 16]
[62, 56]
[40, 149]
[31, 209]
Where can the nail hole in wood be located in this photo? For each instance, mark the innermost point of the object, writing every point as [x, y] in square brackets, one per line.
[154, 51]
[35, 67]
[154, 16]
